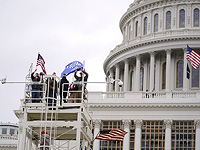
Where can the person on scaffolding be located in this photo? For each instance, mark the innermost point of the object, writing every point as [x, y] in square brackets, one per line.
[35, 87]
[63, 89]
[81, 78]
[44, 141]
[52, 91]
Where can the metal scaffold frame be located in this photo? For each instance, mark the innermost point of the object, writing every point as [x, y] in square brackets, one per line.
[69, 126]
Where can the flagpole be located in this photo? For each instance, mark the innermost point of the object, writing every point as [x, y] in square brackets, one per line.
[37, 60]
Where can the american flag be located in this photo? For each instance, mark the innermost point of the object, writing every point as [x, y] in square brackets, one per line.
[193, 57]
[41, 62]
[112, 135]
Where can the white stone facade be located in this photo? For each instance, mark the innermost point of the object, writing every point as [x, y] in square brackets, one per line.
[151, 62]
[8, 136]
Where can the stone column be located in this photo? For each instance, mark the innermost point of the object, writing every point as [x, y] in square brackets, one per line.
[126, 141]
[168, 124]
[22, 131]
[111, 85]
[157, 84]
[20, 142]
[126, 69]
[197, 140]
[117, 78]
[145, 85]
[168, 64]
[152, 61]
[137, 81]
[97, 124]
[185, 80]
[138, 125]
[107, 83]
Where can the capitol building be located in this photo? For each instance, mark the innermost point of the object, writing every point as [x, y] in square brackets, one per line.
[157, 105]
[150, 92]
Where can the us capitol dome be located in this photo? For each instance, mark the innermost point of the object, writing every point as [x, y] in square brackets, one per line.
[152, 55]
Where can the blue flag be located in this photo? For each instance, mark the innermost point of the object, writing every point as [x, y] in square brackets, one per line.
[71, 67]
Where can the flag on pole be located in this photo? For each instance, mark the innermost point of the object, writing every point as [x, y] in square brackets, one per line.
[193, 57]
[112, 135]
[41, 62]
[71, 67]
[188, 72]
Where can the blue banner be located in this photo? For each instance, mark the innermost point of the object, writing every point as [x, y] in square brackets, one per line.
[71, 67]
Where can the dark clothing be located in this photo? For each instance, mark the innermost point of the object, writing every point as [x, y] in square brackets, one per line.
[78, 94]
[65, 88]
[35, 79]
[53, 86]
[35, 89]
[80, 78]
[52, 91]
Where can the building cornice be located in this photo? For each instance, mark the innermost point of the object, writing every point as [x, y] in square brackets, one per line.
[144, 6]
[131, 105]
[125, 47]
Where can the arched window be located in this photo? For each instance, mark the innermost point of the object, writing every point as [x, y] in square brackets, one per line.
[179, 74]
[164, 75]
[182, 18]
[195, 77]
[168, 20]
[136, 28]
[132, 80]
[156, 23]
[141, 78]
[145, 25]
[196, 17]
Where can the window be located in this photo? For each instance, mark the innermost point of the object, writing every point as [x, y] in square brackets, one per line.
[141, 78]
[156, 23]
[136, 28]
[179, 74]
[196, 17]
[153, 135]
[195, 77]
[145, 25]
[12, 131]
[168, 20]
[4, 130]
[132, 136]
[163, 75]
[183, 135]
[111, 145]
[182, 18]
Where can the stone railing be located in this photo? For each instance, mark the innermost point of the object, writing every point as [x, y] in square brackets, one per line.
[154, 36]
[8, 137]
[143, 95]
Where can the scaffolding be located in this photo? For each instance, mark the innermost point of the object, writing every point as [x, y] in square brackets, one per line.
[65, 122]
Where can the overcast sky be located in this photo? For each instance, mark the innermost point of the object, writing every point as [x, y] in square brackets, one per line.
[62, 31]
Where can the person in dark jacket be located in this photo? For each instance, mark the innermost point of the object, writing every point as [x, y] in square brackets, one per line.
[81, 75]
[35, 87]
[79, 79]
[63, 89]
[52, 90]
